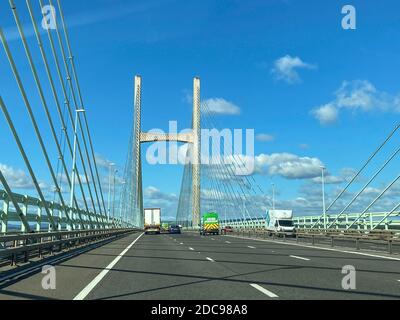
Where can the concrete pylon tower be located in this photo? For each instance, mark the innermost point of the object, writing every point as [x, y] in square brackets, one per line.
[192, 138]
[137, 152]
[196, 153]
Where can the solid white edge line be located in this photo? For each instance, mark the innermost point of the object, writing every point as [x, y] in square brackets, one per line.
[83, 294]
[263, 290]
[320, 248]
[209, 259]
[301, 258]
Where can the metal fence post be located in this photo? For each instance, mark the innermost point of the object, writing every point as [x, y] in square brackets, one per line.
[25, 212]
[390, 247]
[39, 218]
[4, 215]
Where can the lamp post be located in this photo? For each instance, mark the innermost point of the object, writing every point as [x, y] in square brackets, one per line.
[113, 206]
[71, 202]
[323, 194]
[273, 196]
[122, 216]
[111, 165]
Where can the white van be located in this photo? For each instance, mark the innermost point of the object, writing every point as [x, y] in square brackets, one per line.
[278, 221]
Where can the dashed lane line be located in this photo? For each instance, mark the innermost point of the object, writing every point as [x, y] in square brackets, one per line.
[263, 290]
[300, 258]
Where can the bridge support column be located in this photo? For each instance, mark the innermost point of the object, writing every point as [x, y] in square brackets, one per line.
[196, 153]
[137, 152]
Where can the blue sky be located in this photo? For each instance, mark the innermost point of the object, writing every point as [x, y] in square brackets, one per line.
[275, 60]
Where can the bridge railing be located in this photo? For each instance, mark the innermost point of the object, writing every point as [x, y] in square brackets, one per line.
[16, 248]
[381, 240]
[33, 210]
[352, 221]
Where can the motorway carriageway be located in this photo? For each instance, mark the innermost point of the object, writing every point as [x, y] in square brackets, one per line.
[188, 266]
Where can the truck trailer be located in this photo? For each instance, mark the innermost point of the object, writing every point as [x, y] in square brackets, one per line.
[152, 220]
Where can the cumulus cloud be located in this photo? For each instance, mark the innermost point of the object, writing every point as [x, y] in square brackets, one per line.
[221, 106]
[152, 193]
[356, 96]
[168, 202]
[326, 114]
[286, 68]
[18, 179]
[263, 137]
[289, 166]
[102, 162]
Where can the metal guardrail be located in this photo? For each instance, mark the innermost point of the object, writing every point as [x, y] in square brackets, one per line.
[350, 221]
[387, 238]
[14, 246]
[33, 210]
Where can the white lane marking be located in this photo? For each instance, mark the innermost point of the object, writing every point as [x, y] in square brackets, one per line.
[320, 248]
[191, 249]
[212, 239]
[181, 243]
[209, 259]
[251, 247]
[83, 294]
[263, 290]
[301, 258]
[227, 242]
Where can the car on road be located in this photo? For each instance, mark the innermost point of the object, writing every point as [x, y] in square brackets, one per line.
[227, 229]
[174, 229]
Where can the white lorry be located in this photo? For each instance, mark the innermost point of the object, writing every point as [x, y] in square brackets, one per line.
[152, 220]
[280, 221]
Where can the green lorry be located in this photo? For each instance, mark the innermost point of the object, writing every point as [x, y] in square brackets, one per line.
[209, 224]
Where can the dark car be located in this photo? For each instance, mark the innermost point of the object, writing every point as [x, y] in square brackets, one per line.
[174, 229]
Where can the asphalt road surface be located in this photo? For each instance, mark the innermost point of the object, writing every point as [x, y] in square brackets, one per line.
[188, 266]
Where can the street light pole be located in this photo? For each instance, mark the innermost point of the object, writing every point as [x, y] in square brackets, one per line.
[71, 202]
[323, 195]
[113, 207]
[109, 191]
[273, 196]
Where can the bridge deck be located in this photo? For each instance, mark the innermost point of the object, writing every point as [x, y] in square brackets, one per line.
[189, 267]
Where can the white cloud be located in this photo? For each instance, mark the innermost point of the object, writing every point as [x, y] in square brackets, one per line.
[18, 179]
[356, 95]
[286, 68]
[221, 106]
[102, 162]
[152, 193]
[263, 137]
[326, 114]
[288, 165]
